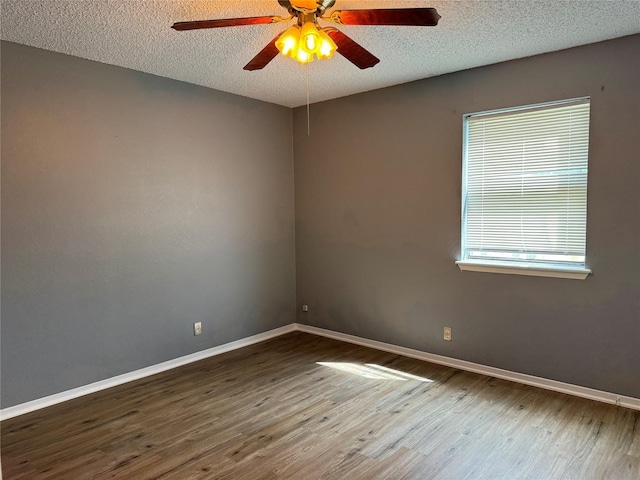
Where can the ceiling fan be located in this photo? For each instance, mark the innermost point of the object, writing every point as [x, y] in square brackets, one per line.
[306, 38]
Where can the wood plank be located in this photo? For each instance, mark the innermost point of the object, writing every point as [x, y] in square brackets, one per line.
[272, 411]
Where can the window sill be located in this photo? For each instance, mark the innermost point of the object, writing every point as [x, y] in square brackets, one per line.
[532, 270]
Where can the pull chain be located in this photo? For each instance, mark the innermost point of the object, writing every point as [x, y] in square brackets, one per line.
[308, 114]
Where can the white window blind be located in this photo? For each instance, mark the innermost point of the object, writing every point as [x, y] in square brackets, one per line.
[525, 184]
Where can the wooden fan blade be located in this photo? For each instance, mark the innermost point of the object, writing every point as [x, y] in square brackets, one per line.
[267, 54]
[425, 17]
[224, 22]
[352, 51]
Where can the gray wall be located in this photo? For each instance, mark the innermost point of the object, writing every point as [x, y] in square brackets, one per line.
[378, 222]
[133, 206]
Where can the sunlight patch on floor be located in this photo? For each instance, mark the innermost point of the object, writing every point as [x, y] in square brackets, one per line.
[371, 370]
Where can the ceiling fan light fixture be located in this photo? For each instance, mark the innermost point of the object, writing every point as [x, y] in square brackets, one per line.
[289, 45]
[302, 43]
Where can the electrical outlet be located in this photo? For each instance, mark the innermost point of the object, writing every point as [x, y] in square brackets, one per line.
[197, 328]
[305, 308]
[447, 334]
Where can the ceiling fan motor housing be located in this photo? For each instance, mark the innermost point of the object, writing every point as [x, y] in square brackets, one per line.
[317, 6]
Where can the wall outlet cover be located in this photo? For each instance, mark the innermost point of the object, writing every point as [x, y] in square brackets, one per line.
[447, 334]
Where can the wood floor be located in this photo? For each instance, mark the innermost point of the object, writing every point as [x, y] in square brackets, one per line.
[271, 411]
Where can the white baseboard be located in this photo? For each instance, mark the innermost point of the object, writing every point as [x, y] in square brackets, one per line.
[138, 374]
[578, 391]
[590, 393]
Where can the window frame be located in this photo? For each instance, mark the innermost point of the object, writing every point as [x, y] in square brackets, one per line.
[555, 270]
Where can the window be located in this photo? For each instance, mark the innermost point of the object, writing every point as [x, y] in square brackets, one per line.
[524, 188]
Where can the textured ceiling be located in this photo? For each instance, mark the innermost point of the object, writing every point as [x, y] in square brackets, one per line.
[136, 34]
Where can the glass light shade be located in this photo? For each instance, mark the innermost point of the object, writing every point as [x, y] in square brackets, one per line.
[287, 44]
[309, 38]
[327, 46]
